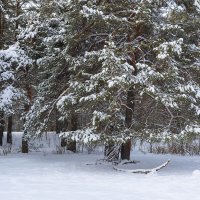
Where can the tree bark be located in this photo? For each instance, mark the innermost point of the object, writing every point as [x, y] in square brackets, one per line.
[130, 106]
[58, 126]
[1, 23]
[126, 147]
[1, 127]
[9, 130]
[24, 138]
[125, 150]
[24, 144]
[63, 126]
[26, 109]
[71, 145]
[17, 13]
[2, 28]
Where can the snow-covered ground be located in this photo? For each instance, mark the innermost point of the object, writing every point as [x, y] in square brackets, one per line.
[48, 176]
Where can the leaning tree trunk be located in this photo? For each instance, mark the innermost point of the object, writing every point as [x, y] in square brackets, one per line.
[9, 130]
[1, 127]
[71, 145]
[112, 151]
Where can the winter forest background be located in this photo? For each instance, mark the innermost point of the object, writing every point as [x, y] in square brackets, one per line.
[119, 79]
[102, 73]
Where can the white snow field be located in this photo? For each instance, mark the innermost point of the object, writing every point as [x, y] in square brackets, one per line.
[48, 176]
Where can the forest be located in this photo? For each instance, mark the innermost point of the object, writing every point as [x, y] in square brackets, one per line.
[83, 79]
[107, 72]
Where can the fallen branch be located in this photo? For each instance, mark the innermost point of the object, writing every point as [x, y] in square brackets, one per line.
[143, 171]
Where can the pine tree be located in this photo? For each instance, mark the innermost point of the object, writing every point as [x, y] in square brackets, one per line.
[138, 50]
[130, 67]
[43, 39]
[102, 74]
[13, 63]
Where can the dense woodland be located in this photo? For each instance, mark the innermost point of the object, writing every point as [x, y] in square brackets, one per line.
[108, 72]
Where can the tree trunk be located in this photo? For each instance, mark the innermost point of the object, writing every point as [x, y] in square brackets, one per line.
[126, 147]
[58, 126]
[2, 28]
[24, 144]
[71, 145]
[9, 130]
[1, 127]
[63, 128]
[125, 150]
[18, 7]
[130, 106]
[24, 138]
[1, 23]
[26, 109]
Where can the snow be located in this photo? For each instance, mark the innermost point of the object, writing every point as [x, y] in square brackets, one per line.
[197, 4]
[165, 47]
[65, 99]
[100, 116]
[50, 176]
[85, 136]
[89, 11]
[15, 54]
[7, 96]
[166, 12]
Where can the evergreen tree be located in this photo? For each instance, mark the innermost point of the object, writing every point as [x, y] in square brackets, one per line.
[43, 39]
[13, 62]
[141, 50]
[130, 67]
